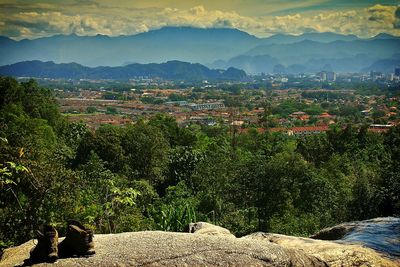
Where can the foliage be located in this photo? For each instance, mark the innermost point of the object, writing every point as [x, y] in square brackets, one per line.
[176, 218]
[91, 109]
[157, 175]
[111, 110]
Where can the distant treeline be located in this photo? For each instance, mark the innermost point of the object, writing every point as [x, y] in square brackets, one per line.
[171, 70]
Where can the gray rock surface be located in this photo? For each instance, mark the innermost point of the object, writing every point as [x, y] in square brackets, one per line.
[210, 245]
[336, 232]
[381, 234]
[175, 249]
[333, 253]
[204, 228]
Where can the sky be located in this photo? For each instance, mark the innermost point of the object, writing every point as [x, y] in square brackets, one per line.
[32, 19]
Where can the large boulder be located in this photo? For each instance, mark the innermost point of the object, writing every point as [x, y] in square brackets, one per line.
[204, 228]
[333, 253]
[380, 234]
[154, 248]
[210, 245]
[336, 232]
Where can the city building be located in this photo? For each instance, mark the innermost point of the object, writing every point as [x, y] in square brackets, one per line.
[300, 115]
[375, 75]
[397, 71]
[322, 76]
[214, 105]
[327, 76]
[306, 130]
[179, 103]
[326, 115]
[331, 76]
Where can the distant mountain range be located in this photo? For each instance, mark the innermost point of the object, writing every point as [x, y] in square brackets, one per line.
[213, 47]
[171, 70]
[312, 56]
[171, 43]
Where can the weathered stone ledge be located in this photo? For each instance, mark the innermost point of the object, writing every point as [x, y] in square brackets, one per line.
[209, 245]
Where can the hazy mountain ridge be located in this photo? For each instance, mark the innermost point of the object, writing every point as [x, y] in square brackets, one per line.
[383, 65]
[214, 47]
[180, 43]
[173, 70]
[375, 48]
[325, 37]
[343, 56]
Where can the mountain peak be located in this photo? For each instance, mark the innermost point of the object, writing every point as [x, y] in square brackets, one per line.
[384, 36]
[196, 32]
[5, 40]
[322, 37]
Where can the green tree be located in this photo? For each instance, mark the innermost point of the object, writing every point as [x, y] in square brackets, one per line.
[106, 142]
[171, 131]
[111, 110]
[146, 151]
[91, 109]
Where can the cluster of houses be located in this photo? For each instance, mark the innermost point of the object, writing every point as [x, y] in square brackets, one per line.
[210, 112]
[308, 130]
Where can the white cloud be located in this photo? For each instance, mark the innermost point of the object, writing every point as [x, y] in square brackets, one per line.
[396, 23]
[24, 23]
[364, 22]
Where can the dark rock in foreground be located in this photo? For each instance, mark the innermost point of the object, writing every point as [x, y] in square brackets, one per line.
[380, 234]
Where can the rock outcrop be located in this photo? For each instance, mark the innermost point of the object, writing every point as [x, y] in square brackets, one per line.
[204, 228]
[334, 233]
[210, 245]
[380, 234]
[332, 253]
[175, 249]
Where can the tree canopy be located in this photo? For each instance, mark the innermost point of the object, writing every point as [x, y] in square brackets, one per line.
[156, 175]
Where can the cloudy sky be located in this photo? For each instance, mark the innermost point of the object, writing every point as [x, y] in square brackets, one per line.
[38, 18]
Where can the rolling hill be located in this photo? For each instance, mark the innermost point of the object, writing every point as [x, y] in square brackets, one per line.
[171, 70]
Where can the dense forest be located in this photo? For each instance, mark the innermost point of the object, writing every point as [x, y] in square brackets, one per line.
[156, 175]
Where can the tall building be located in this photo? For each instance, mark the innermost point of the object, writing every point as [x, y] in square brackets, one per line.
[322, 76]
[397, 71]
[331, 76]
[375, 75]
